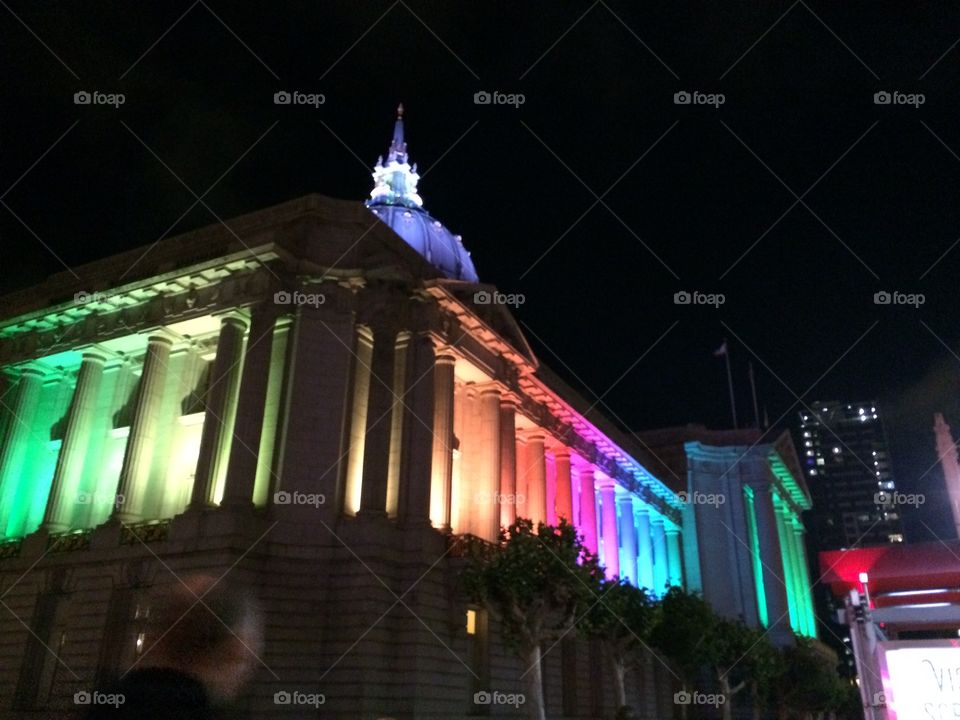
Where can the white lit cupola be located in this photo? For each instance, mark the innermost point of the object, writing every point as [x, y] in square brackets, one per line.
[394, 200]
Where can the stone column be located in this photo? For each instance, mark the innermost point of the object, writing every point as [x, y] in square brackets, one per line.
[674, 561]
[773, 574]
[785, 537]
[23, 409]
[258, 374]
[805, 581]
[65, 488]
[220, 412]
[535, 471]
[628, 536]
[419, 434]
[487, 498]
[441, 475]
[138, 458]
[661, 565]
[508, 460]
[398, 415]
[608, 511]
[801, 582]
[644, 547]
[561, 461]
[588, 509]
[373, 491]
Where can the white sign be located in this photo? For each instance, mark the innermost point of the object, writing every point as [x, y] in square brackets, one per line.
[921, 679]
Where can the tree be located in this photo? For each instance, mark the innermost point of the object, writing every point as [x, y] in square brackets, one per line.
[808, 681]
[681, 634]
[537, 583]
[742, 659]
[622, 620]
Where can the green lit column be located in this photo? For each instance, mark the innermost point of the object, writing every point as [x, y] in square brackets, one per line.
[803, 582]
[138, 458]
[220, 405]
[65, 489]
[785, 536]
[801, 591]
[675, 564]
[26, 398]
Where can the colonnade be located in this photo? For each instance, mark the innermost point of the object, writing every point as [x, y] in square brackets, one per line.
[421, 444]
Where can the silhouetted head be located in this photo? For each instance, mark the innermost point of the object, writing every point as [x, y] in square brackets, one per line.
[210, 629]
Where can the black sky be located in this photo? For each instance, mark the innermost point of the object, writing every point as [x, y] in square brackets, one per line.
[599, 80]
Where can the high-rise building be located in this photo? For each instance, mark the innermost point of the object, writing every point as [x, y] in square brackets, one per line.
[848, 469]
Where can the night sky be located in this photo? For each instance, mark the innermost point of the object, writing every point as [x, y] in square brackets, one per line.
[695, 198]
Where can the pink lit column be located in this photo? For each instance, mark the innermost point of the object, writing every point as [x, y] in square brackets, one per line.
[508, 461]
[608, 510]
[588, 509]
[564, 488]
[488, 508]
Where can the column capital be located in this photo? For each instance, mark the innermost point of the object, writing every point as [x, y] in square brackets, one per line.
[234, 317]
[625, 499]
[606, 483]
[489, 389]
[532, 435]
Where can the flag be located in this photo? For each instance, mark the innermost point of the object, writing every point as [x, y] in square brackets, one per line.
[721, 351]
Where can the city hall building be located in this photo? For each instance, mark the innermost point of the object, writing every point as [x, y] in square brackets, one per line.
[317, 402]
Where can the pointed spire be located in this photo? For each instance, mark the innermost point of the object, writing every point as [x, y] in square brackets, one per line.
[395, 182]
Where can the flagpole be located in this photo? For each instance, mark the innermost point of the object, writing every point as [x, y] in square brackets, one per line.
[733, 402]
[753, 390]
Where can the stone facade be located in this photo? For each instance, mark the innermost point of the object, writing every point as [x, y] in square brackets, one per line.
[303, 403]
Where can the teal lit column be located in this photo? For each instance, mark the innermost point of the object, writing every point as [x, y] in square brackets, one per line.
[660, 562]
[65, 489]
[220, 406]
[644, 547]
[608, 513]
[26, 399]
[675, 563]
[628, 537]
[138, 458]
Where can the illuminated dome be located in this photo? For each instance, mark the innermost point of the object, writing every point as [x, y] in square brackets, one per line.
[395, 201]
